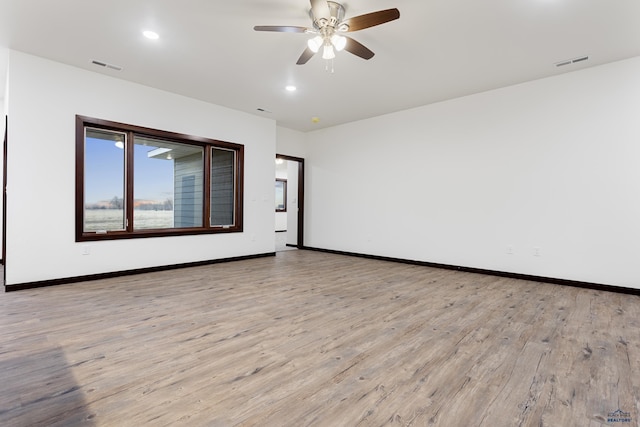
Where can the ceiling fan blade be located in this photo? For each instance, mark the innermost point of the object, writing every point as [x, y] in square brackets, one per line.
[371, 19]
[358, 49]
[320, 9]
[280, 28]
[306, 55]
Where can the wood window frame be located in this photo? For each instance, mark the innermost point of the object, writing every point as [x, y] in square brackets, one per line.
[131, 130]
[284, 194]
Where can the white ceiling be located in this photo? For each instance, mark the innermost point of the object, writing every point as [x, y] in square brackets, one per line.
[437, 50]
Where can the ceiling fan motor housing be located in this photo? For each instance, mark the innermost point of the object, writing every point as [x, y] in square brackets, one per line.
[336, 15]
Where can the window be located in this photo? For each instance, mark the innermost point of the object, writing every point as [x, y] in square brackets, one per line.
[281, 195]
[139, 182]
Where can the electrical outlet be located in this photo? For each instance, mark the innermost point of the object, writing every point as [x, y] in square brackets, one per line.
[536, 251]
[86, 250]
[510, 250]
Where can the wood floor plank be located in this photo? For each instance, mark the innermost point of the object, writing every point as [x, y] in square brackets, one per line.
[314, 339]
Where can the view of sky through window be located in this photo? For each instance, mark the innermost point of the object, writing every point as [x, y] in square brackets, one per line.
[104, 173]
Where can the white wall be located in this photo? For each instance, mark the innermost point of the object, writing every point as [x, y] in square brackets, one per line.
[552, 164]
[281, 221]
[44, 98]
[290, 142]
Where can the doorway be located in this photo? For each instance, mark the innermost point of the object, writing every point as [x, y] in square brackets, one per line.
[5, 143]
[289, 220]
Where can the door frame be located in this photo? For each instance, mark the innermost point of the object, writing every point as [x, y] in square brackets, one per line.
[300, 161]
[5, 143]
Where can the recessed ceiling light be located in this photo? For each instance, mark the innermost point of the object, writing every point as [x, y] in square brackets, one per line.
[152, 35]
[291, 88]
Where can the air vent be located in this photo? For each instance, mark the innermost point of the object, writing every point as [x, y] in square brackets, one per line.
[571, 61]
[107, 65]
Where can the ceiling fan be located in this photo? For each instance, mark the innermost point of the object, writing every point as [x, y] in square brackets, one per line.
[329, 25]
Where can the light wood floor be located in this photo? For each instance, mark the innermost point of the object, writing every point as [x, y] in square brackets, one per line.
[308, 338]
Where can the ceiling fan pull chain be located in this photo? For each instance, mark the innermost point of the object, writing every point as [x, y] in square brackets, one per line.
[326, 66]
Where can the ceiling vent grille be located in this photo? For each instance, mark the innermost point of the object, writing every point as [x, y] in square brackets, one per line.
[107, 65]
[571, 61]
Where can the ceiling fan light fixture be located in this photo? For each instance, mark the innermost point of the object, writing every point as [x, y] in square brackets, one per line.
[328, 52]
[328, 24]
[338, 41]
[315, 43]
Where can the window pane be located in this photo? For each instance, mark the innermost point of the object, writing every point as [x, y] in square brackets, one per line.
[104, 159]
[222, 187]
[281, 195]
[168, 184]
